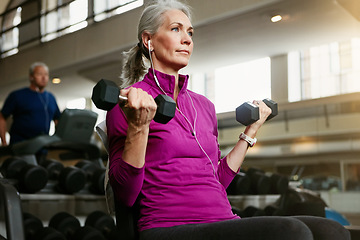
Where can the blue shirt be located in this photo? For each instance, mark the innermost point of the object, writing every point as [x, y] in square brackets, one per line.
[32, 113]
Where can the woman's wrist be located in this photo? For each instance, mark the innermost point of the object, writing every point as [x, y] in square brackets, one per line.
[249, 140]
[250, 131]
[134, 129]
[135, 145]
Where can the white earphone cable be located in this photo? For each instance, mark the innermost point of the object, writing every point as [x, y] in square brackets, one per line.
[192, 103]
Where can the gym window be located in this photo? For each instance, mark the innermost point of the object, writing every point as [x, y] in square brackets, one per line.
[325, 70]
[60, 19]
[10, 31]
[107, 8]
[228, 87]
[242, 82]
[33, 21]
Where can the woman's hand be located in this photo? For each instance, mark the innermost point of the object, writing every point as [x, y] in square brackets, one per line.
[264, 112]
[140, 107]
[139, 110]
[237, 155]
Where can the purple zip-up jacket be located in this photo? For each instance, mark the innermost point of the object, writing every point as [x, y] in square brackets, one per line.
[177, 185]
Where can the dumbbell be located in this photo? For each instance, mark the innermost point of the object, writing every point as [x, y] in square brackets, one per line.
[95, 176]
[251, 211]
[71, 228]
[239, 185]
[272, 210]
[237, 211]
[104, 223]
[279, 183]
[29, 178]
[106, 94]
[34, 229]
[248, 113]
[68, 179]
[260, 183]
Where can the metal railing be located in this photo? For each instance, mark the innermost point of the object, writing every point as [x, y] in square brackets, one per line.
[36, 18]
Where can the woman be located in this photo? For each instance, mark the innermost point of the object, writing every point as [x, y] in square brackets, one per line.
[174, 171]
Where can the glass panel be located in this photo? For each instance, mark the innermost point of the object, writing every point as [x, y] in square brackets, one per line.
[325, 70]
[129, 6]
[10, 39]
[117, 3]
[9, 20]
[64, 17]
[352, 176]
[17, 17]
[48, 5]
[99, 6]
[51, 22]
[77, 27]
[118, 7]
[239, 76]
[78, 11]
[294, 80]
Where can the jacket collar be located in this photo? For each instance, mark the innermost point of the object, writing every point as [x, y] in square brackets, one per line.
[166, 81]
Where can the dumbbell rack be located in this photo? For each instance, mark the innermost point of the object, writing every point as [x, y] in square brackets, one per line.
[45, 205]
[260, 201]
[42, 205]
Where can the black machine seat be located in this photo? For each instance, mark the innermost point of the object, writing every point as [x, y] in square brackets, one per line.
[74, 126]
[126, 220]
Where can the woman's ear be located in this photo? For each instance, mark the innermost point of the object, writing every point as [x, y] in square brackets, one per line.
[147, 41]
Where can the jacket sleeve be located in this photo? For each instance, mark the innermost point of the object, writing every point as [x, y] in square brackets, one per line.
[226, 175]
[125, 179]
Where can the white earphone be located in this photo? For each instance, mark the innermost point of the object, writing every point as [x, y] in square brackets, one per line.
[149, 45]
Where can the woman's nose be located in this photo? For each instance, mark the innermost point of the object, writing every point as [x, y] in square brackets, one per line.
[186, 39]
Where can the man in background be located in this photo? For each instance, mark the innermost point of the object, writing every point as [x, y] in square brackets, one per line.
[32, 108]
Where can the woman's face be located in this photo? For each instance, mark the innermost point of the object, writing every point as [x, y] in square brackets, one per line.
[172, 44]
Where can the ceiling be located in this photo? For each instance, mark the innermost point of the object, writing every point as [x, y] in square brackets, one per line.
[251, 35]
[237, 38]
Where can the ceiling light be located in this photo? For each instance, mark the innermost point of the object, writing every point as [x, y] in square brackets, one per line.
[276, 18]
[56, 80]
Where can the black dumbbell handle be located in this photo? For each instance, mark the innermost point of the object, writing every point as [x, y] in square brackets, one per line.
[123, 98]
[166, 106]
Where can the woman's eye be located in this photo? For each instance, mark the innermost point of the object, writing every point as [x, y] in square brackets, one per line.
[190, 34]
[176, 29]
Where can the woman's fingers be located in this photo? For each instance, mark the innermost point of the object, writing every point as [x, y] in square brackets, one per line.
[264, 110]
[140, 108]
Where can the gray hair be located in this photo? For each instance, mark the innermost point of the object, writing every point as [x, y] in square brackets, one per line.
[37, 64]
[137, 58]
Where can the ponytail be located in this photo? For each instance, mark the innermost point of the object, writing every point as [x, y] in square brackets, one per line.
[135, 66]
